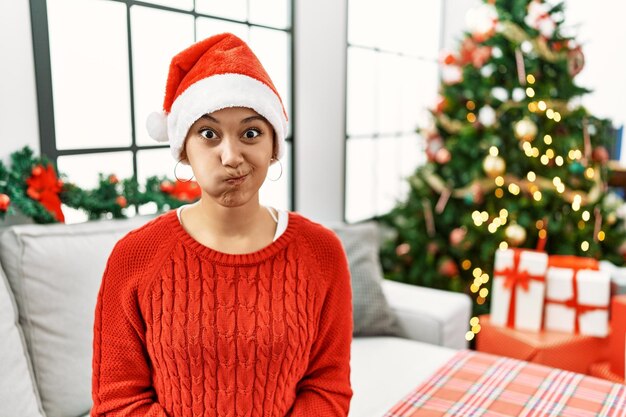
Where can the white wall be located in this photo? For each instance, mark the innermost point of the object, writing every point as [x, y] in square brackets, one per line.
[19, 125]
[320, 63]
[602, 33]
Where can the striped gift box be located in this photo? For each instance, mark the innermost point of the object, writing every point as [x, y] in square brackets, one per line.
[478, 384]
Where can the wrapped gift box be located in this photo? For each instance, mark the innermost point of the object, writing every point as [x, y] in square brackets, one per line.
[572, 352]
[518, 288]
[618, 277]
[617, 340]
[577, 296]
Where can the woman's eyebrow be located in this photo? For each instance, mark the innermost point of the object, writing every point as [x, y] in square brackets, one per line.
[208, 116]
[251, 118]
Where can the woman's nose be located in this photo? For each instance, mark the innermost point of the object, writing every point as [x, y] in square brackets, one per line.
[231, 152]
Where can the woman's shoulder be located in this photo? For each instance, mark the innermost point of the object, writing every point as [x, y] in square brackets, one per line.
[319, 236]
[144, 242]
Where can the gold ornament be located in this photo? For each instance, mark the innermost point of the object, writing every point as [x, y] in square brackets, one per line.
[611, 218]
[525, 130]
[494, 166]
[515, 234]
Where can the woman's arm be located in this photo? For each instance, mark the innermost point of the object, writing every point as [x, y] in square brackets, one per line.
[325, 388]
[121, 380]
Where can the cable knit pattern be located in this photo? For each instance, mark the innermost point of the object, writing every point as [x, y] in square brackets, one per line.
[182, 330]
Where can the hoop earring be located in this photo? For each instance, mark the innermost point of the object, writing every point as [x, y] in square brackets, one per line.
[281, 169]
[176, 176]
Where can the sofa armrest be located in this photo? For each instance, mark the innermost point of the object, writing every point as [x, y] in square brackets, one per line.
[429, 315]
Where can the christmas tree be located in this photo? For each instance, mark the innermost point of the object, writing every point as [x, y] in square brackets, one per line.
[514, 159]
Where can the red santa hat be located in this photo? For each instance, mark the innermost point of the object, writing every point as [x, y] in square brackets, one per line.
[218, 72]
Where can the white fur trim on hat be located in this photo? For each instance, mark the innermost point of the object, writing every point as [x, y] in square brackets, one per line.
[218, 92]
[156, 123]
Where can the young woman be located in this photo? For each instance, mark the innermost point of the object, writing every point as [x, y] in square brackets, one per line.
[223, 307]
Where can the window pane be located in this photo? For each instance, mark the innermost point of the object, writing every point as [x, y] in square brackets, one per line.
[411, 27]
[361, 90]
[231, 9]
[363, 22]
[89, 65]
[420, 81]
[274, 13]
[390, 85]
[276, 193]
[272, 47]
[206, 27]
[153, 49]
[159, 162]
[411, 156]
[360, 179]
[406, 26]
[177, 4]
[83, 170]
[387, 173]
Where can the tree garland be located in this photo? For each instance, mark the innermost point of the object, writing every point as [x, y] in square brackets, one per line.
[33, 187]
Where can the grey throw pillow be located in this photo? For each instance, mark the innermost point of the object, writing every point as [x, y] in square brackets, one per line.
[372, 314]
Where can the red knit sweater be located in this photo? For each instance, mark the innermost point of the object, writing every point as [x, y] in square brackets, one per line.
[184, 330]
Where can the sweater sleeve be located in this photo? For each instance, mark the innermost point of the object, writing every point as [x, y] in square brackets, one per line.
[121, 379]
[325, 389]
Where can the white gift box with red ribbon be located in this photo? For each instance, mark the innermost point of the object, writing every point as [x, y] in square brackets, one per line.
[518, 288]
[577, 300]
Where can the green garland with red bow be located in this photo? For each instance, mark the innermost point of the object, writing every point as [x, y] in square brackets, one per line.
[33, 187]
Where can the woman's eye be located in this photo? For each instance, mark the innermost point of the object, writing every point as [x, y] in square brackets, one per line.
[208, 134]
[252, 133]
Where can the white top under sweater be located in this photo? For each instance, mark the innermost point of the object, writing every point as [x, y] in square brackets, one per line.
[282, 220]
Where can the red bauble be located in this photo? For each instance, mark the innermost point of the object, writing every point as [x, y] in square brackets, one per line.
[449, 59]
[457, 236]
[600, 154]
[433, 145]
[113, 179]
[403, 249]
[443, 156]
[37, 171]
[121, 201]
[442, 104]
[448, 268]
[575, 61]
[5, 201]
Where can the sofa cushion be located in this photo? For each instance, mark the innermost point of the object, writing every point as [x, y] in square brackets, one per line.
[386, 369]
[371, 312]
[56, 300]
[17, 390]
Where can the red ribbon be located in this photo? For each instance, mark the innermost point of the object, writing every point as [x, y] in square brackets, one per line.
[515, 277]
[573, 303]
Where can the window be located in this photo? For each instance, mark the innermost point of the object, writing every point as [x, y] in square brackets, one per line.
[101, 67]
[392, 76]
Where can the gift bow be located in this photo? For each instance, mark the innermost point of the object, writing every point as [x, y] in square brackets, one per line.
[515, 277]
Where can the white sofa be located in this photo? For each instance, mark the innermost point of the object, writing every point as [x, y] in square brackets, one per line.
[49, 280]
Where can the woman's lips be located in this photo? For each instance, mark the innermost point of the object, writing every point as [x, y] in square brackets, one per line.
[237, 180]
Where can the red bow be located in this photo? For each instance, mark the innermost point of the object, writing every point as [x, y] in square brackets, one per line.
[515, 277]
[44, 187]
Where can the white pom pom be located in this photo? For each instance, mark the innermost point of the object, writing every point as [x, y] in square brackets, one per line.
[157, 126]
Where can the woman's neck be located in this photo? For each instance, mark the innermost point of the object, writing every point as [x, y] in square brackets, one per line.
[240, 229]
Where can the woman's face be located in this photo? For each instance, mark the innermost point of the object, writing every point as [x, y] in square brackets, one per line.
[229, 152]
